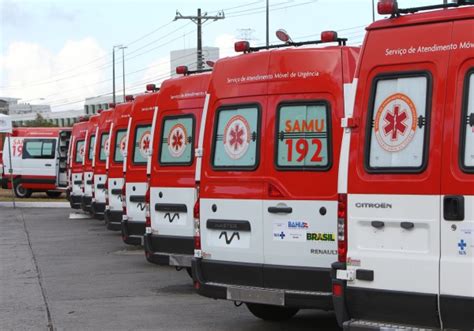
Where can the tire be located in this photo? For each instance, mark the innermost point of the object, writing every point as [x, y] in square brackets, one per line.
[53, 194]
[22, 192]
[271, 313]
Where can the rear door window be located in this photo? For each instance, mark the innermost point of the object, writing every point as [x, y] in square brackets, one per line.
[467, 153]
[142, 144]
[177, 141]
[39, 148]
[120, 144]
[303, 136]
[91, 148]
[79, 151]
[398, 123]
[104, 146]
[236, 138]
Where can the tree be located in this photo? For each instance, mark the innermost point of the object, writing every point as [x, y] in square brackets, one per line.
[40, 121]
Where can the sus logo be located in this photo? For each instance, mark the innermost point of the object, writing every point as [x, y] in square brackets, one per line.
[395, 122]
[145, 142]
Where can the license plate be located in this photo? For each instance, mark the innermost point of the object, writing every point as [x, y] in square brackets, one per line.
[256, 295]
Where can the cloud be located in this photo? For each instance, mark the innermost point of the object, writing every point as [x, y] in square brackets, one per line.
[225, 42]
[31, 71]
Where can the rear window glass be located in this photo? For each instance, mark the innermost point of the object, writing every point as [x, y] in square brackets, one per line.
[303, 136]
[177, 140]
[236, 137]
[120, 144]
[79, 151]
[39, 148]
[104, 146]
[468, 127]
[142, 144]
[398, 126]
[90, 154]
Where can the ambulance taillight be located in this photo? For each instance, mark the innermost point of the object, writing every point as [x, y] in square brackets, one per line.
[242, 46]
[342, 227]
[93, 188]
[147, 211]
[124, 201]
[274, 192]
[106, 187]
[197, 225]
[181, 70]
[387, 7]
[328, 36]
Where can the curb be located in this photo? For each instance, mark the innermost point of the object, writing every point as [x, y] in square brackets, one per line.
[20, 204]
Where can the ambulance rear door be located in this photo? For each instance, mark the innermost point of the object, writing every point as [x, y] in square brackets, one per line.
[300, 209]
[457, 222]
[39, 157]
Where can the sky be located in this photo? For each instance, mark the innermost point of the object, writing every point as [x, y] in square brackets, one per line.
[59, 52]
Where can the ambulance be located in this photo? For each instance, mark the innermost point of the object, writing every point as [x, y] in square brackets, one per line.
[139, 148]
[38, 159]
[171, 196]
[87, 164]
[406, 177]
[75, 161]
[101, 151]
[267, 162]
[115, 165]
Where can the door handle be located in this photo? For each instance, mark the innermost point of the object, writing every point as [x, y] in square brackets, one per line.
[48, 165]
[453, 208]
[377, 224]
[280, 210]
[407, 225]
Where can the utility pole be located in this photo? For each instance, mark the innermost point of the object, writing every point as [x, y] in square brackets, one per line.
[200, 20]
[373, 11]
[113, 74]
[123, 70]
[268, 22]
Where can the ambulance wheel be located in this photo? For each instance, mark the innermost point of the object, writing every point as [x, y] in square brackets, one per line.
[271, 313]
[22, 192]
[53, 194]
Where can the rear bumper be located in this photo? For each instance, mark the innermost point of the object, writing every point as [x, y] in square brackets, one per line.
[75, 201]
[86, 203]
[113, 219]
[132, 232]
[98, 209]
[169, 250]
[240, 286]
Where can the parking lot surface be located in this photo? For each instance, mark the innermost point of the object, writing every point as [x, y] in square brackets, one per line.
[58, 273]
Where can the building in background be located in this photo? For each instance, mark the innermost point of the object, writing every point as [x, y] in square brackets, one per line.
[93, 104]
[188, 57]
[11, 106]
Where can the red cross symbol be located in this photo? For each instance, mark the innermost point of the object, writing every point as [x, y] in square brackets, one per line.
[177, 140]
[146, 143]
[122, 145]
[395, 122]
[236, 137]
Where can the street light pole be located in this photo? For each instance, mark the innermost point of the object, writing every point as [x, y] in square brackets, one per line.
[123, 70]
[113, 71]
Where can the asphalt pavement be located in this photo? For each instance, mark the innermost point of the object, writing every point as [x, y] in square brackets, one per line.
[58, 273]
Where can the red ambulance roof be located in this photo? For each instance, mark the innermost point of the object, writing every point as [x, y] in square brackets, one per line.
[38, 132]
[434, 16]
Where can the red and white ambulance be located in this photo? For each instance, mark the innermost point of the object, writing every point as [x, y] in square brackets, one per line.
[139, 148]
[172, 194]
[406, 186]
[267, 173]
[115, 165]
[39, 161]
[87, 164]
[76, 160]
[101, 151]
